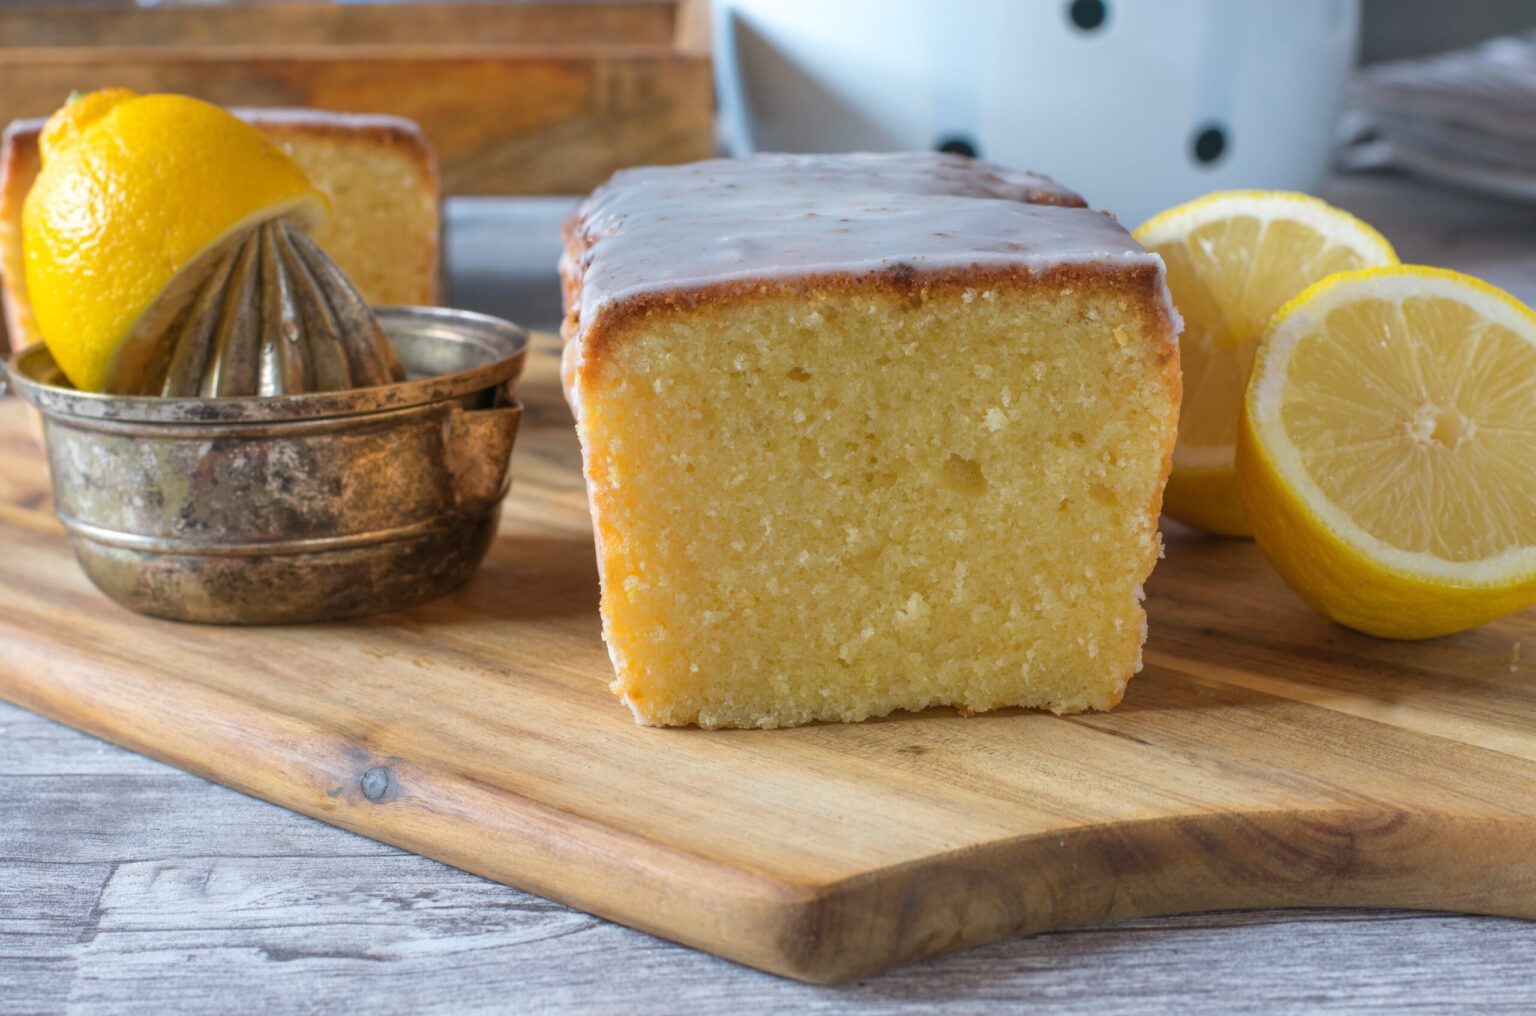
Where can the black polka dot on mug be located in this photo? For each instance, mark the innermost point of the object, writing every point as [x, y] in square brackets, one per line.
[1088, 15]
[1210, 143]
[956, 144]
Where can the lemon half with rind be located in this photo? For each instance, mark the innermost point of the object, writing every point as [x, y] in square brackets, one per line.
[1387, 454]
[1234, 258]
[135, 190]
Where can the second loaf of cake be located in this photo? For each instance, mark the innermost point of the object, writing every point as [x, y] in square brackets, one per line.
[865, 433]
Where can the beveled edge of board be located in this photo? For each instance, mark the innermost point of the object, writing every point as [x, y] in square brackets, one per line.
[1374, 857]
[1361, 854]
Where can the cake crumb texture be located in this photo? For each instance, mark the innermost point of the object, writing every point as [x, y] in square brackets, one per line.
[847, 499]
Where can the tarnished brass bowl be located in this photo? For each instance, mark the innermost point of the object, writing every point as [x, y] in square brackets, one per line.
[290, 508]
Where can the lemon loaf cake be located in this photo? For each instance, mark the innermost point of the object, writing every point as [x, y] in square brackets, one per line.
[379, 173]
[865, 433]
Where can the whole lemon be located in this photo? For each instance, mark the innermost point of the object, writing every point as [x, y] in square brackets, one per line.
[133, 189]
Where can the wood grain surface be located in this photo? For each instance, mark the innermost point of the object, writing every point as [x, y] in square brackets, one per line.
[1265, 757]
[128, 887]
[537, 98]
[324, 23]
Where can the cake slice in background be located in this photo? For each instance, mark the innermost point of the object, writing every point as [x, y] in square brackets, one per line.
[865, 433]
[379, 173]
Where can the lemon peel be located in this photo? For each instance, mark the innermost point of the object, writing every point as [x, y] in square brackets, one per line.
[134, 190]
[1233, 258]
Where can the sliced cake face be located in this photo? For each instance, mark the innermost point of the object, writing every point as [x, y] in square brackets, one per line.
[378, 172]
[381, 177]
[885, 475]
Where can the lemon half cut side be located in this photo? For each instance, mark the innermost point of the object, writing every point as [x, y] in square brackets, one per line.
[1234, 258]
[1387, 454]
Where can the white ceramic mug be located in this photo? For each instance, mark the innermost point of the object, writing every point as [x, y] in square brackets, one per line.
[1137, 104]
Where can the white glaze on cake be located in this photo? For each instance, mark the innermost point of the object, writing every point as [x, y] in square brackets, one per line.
[299, 116]
[278, 116]
[772, 217]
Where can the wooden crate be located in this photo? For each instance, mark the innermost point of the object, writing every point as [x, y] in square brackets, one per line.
[518, 98]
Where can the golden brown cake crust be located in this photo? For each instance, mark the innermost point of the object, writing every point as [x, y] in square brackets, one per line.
[1140, 283]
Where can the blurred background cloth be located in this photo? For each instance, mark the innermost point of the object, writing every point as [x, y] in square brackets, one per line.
[1398, 29]
[1466, 118]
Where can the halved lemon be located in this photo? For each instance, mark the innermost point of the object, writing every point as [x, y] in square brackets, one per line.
[1234, 258]
[1387, 456]
[133, 190]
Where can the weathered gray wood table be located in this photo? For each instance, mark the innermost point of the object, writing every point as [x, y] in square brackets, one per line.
[130, 887]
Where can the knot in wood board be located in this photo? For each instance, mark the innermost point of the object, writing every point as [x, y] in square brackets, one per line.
[374, 782]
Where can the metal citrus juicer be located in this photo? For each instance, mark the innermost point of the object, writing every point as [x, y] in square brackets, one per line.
[282, 452]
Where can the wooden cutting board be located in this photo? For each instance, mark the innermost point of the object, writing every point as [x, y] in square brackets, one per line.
[1263, 758]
